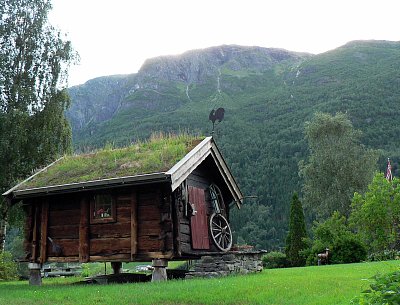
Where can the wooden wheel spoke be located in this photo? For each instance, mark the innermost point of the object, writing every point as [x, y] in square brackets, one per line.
[216, 235]
[220, 227]
[227, 239]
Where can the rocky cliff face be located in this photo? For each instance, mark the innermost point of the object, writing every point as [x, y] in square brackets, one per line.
[97, 100]
[100, 99]
[197, 65]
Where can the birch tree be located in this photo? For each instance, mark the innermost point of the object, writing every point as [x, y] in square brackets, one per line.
[338, 165]
[34, 62]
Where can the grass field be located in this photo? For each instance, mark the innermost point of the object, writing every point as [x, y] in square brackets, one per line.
[336, 284]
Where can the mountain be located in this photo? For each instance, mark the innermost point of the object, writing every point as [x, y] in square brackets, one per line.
[268, 95]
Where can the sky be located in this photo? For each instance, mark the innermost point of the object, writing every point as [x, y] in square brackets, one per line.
[117, 36]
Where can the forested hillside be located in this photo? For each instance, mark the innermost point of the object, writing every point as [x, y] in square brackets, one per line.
[268, 95]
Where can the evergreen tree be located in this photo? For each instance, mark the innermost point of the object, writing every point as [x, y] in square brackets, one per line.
[34, 62]
[297, 233]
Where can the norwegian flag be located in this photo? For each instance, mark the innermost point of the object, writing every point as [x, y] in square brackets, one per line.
[388, 175]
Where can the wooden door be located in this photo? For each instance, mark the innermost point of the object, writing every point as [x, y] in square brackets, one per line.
[198, 222]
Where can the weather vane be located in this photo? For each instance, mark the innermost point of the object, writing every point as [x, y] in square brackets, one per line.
[216, 115]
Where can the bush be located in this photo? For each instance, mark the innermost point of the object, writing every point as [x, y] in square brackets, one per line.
[312, 258]
[344, 245]
[274, 260]
[384, 290]
[348, 249]
[8, 268]
[386, 255]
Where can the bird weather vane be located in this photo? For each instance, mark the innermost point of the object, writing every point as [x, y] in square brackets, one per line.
[216, 115]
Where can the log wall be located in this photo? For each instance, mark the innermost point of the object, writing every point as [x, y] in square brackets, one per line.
[58, 228]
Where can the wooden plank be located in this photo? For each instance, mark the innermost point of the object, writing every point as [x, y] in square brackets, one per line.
[149, 230]
[176, 224]
[134, 225]
[43, 231]
[149, 255]
[168, 241]
[110, 230]
[124, 214]
[110, 258]
[104, 246]
[126, 202]
[64, 203]
[185, 238]
[84, 243]
[66, 217]
[28, 230]
[186, 247]
[144, 226]
[184, 221]
[149, 243]
[185, 228]
[34, 233]
[58, 259]
[149, 212]
[69, 247]
[180, 171]
[149, 199]
[67, 231]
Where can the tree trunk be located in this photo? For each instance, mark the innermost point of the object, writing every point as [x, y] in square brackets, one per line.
[3, 231]
[3, 225]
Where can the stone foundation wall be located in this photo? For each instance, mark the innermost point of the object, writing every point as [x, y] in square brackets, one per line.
[227, 263]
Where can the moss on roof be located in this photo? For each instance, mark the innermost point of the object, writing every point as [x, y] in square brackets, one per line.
[158, 154]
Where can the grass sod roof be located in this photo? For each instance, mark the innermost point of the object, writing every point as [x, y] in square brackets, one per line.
[156, 155]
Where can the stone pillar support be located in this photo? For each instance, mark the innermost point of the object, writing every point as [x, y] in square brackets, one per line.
[159, 270]
[117, 267]
[35, 278]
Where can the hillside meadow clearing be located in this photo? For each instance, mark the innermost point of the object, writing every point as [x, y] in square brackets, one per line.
[334, 284]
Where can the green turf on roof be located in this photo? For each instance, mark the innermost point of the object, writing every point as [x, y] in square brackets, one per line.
[158, 154]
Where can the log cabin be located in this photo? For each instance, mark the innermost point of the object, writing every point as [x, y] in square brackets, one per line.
[165, 199]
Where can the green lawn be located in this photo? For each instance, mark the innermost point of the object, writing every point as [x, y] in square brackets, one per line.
[336, 284]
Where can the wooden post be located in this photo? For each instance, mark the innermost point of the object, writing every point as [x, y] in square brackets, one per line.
[34, 234]
[159, 271]
[43, 232]
[35, 278]
[134, 227]
[29, 211]
[84, 246]
[176, 224]
[117, 267]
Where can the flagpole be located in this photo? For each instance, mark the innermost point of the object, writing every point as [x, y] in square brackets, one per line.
[388, 175]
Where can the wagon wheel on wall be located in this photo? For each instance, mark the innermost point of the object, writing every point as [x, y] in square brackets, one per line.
[221, 232]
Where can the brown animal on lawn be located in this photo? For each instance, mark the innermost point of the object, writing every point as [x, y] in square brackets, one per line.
[323, 258]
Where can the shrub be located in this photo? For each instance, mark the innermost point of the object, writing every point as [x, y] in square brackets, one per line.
[345, 246]
[8, 268]
[274, 260]
[384, 255]
[317, 247]
[348, 249]
[385, 289]
[85, 270]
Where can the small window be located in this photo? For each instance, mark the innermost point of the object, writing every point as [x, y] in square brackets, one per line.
[102, 209]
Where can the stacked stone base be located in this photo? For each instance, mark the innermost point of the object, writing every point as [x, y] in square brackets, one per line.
[234, 262]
